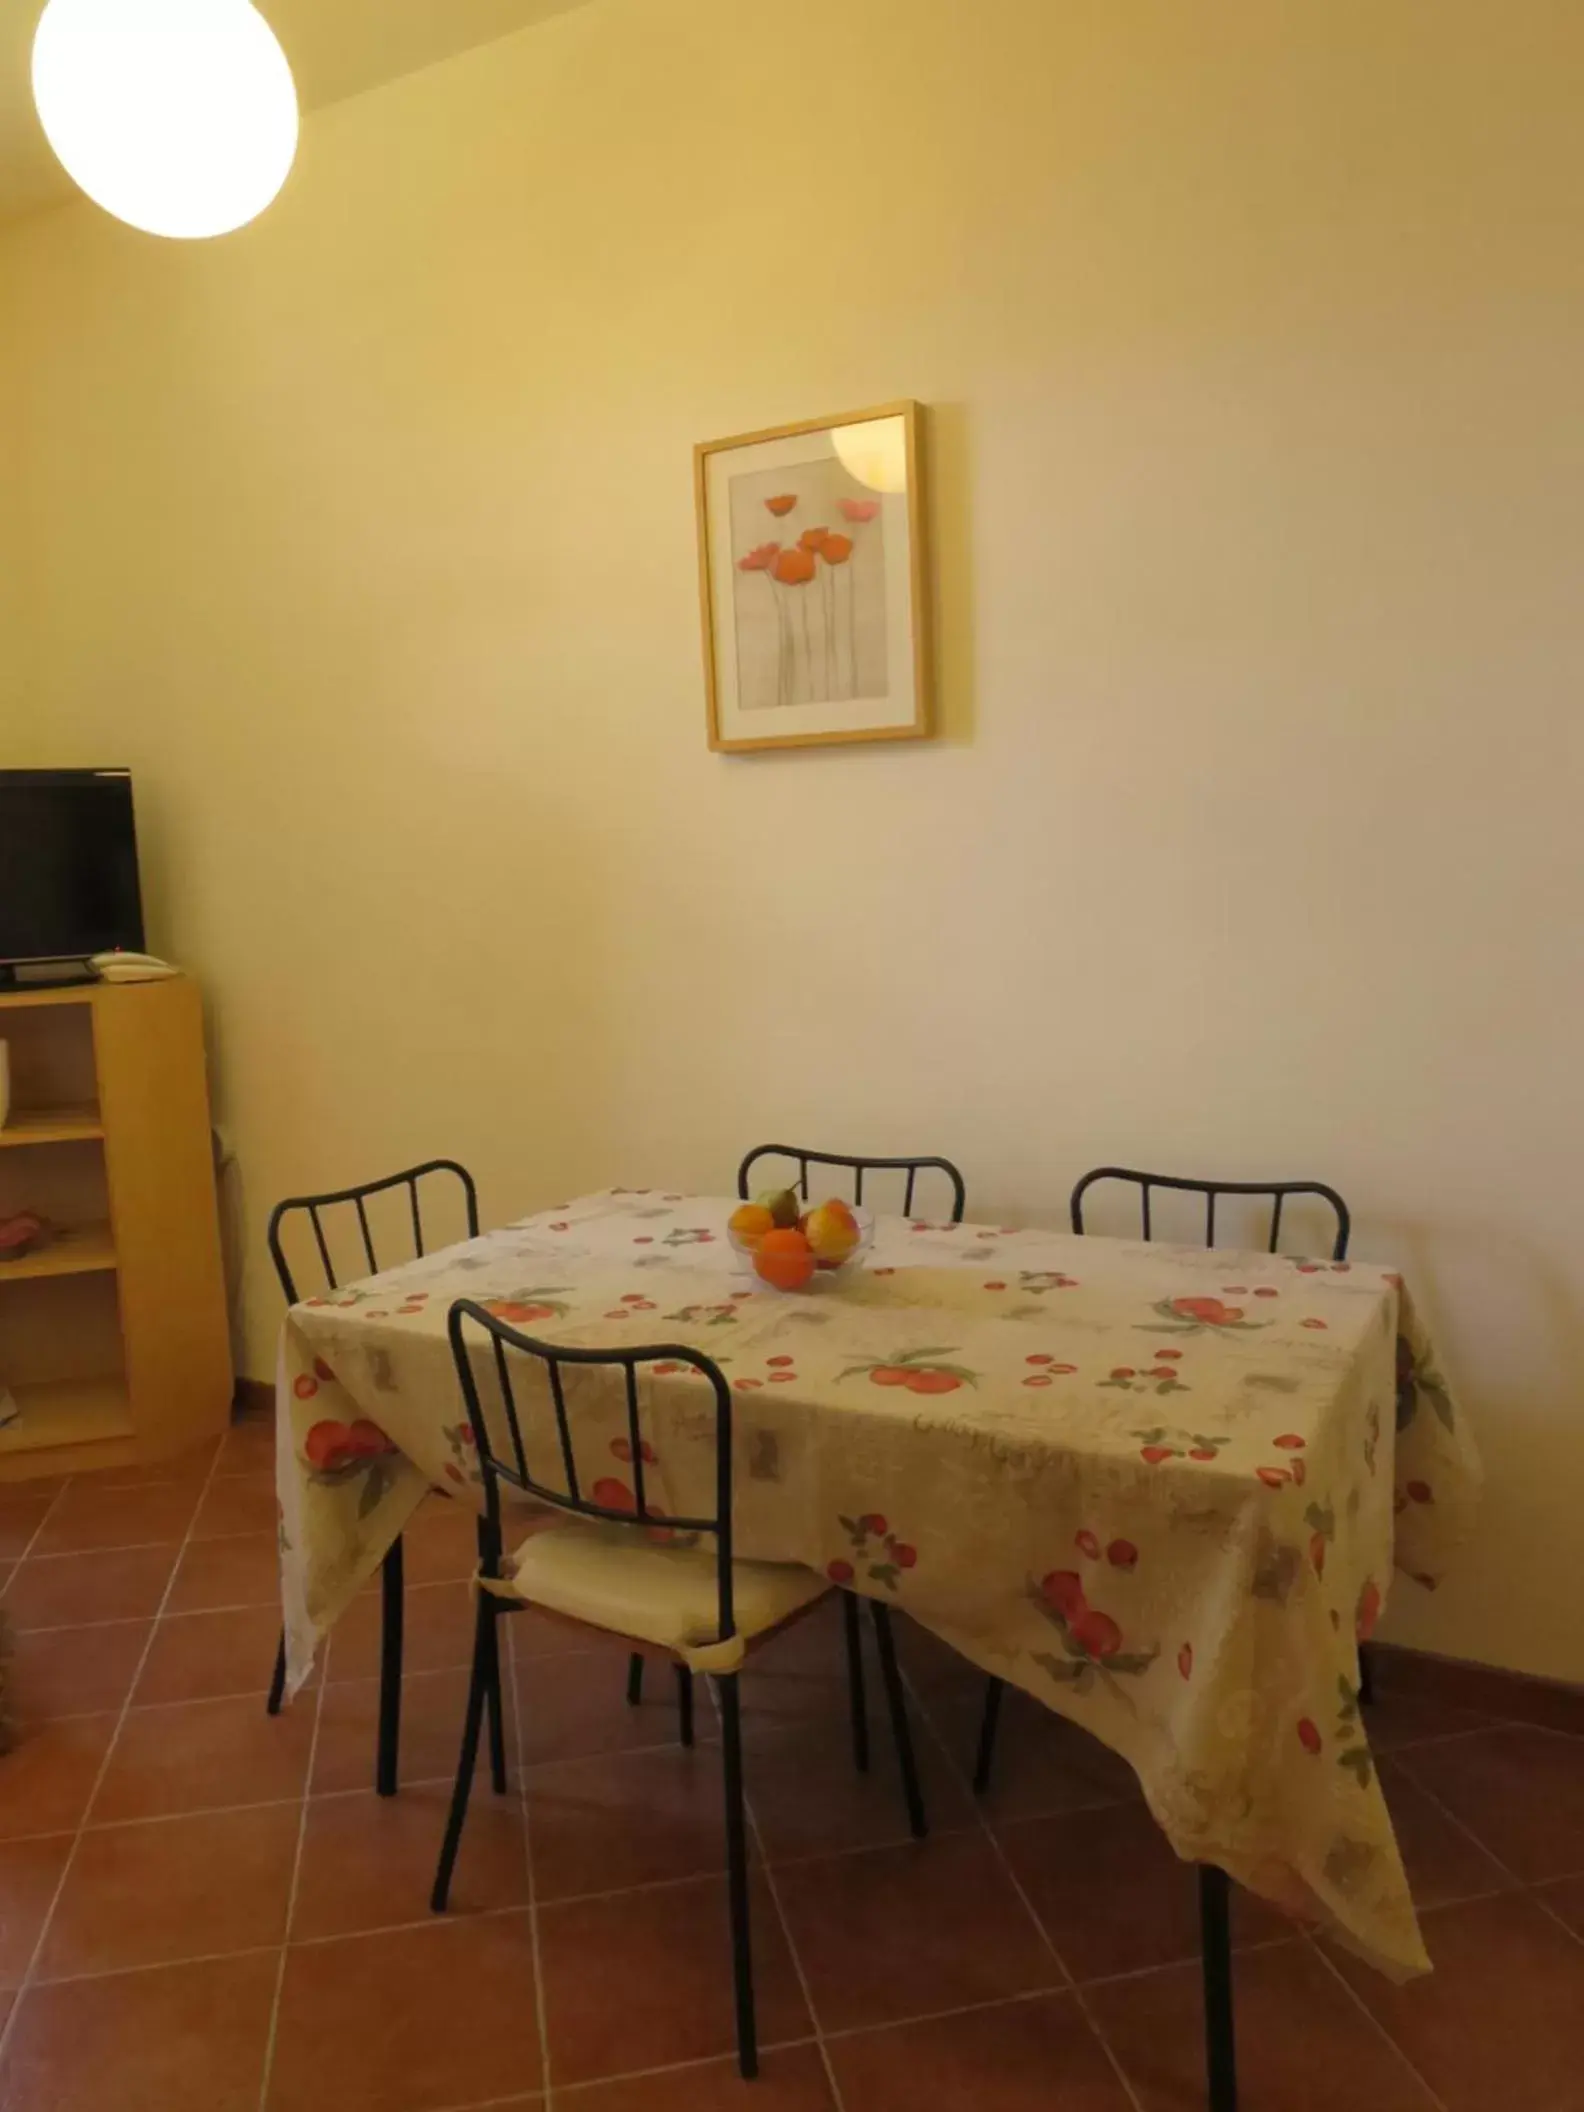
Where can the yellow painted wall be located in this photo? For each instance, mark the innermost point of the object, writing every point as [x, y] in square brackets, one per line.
[1253, 332]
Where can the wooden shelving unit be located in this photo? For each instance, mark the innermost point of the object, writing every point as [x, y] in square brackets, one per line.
[113, 1334]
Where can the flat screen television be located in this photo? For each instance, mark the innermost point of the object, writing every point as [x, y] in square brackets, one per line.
[68, 867]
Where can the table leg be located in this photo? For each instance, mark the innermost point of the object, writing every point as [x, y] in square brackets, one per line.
[1215, 1922]
[390, 1671]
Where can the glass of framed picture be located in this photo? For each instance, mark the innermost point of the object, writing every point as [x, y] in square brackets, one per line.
[812, 579]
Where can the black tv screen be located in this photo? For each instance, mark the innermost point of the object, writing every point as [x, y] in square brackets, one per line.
[68, 865]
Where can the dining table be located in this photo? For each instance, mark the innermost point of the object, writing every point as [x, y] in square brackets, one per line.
[1163, 1489]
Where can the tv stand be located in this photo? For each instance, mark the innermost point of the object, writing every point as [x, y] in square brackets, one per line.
[45, 975]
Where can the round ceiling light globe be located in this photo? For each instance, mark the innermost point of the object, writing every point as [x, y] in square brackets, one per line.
[177, 116]
[874, 451]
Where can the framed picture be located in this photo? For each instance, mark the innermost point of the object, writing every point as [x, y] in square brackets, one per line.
[812, 578]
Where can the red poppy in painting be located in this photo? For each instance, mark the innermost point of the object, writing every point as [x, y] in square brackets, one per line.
[836, 549]
[783, 503]
[860, 509]
[759, 559]
[812, 538]
[794, 568]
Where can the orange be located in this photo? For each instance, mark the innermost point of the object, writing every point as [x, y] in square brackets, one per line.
[750, 1222]
[785, 1259]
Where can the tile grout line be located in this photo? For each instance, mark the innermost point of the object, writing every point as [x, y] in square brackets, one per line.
[1522, 1886]
[1068, 1982]
[272, 2034]
[1319, 1951]
[26, 1983]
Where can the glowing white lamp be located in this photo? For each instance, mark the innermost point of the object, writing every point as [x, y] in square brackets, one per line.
[178, 116]
[875, 452]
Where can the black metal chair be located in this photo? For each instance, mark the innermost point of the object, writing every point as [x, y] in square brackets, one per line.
[859, 1166]
[352, 1206]
[1214, 1886]
[602, 1566]
[1277, 1191]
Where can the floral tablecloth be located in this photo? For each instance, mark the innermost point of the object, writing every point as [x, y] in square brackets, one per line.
[1163, 1489]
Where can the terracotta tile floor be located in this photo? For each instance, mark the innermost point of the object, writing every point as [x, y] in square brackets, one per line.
[202, 1910]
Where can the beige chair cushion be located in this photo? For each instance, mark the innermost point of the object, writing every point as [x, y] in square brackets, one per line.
[614, 1577]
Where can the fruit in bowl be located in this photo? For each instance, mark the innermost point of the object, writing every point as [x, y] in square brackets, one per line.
[787, 1245]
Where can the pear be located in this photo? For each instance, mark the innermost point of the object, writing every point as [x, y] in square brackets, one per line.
[832, 1231]
[783, 1206]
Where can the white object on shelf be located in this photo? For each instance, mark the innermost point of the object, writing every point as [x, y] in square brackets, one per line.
[119, 967]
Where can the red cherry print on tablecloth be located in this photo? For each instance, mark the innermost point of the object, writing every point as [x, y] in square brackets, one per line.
[839, 1572]
[1202, 1452]
[1154, 1454]
[882, 1272]
[643, 1239]
[1290, 1441]
[1124, 1371]
[995, 1286]
[1039, 1358]
[305, 1386]
[777, 1363]
[1420, 1492]
[323, 1371]
[872, 1522]
[1313, 1323]
[1160, 1371]
[1273, 1477]
[1308, 1268]
[902, 1555]
[1185, 1661]
[559, 1228]
[890, 1375]
[453, 1472]
[1096, 1633]
[782, 1378]
[1037, 1378]
[613, 1495]
[1063, 1590]
[747, 1385]
[1122, 1554]
[1088, 1544]
[1317, 1553]
[1267, 1290]
[1299, 1472]
[1168, 1356]
[1309, 1735]
[1368, 1614]
[327, 1446]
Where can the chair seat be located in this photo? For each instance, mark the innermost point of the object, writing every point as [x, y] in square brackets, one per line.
[611, 1577]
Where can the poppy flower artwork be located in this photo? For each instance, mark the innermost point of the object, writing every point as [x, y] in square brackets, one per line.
[813, 574]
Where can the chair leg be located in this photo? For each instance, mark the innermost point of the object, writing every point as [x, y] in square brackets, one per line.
[635, 1665]
[1215, 1924]
[472, 1724]
[277, 1692]
[896, 1700]
[684, 1686]
[1366, 1685]
[390, 1672]
[493, 1697]
[988, 1725]
[856, 1701]
[737, 1877]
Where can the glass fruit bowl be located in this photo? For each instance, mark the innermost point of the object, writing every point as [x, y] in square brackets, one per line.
[794, 1252]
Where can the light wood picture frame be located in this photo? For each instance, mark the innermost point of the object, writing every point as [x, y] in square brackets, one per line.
[813, 582]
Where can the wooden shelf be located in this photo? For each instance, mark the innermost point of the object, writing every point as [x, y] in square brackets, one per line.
[68, 1412]
[79, 1250]
[51, 1125]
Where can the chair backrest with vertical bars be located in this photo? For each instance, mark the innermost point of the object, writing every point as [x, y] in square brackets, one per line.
[503, 1456]
[803, 1157]
[341, 1217]
[1276, 1192]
